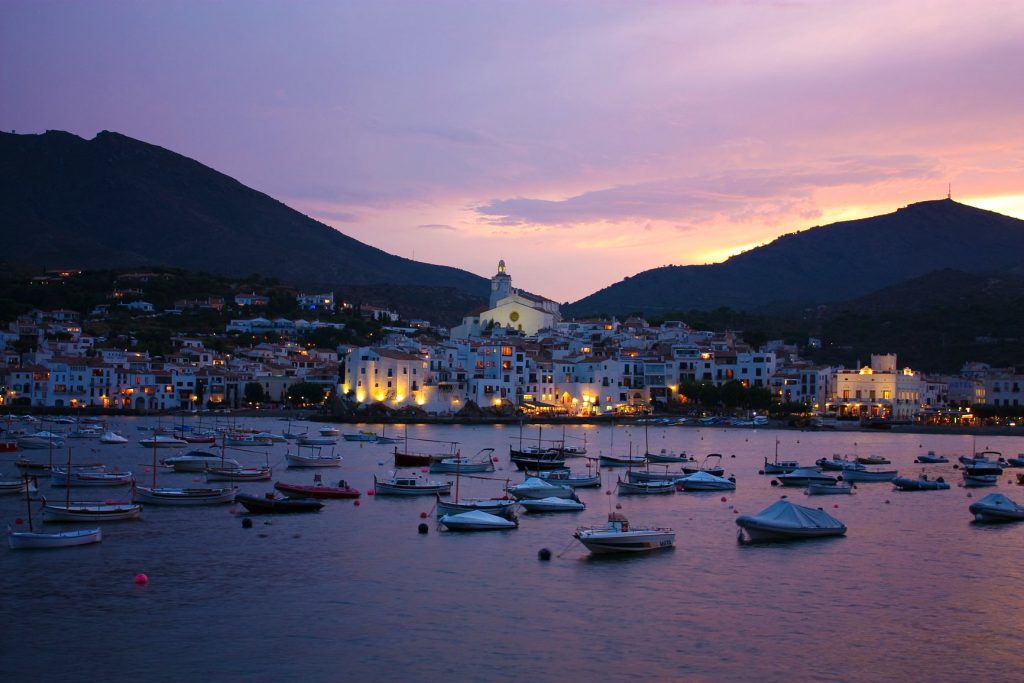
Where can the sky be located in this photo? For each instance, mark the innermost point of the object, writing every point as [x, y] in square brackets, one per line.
[580, 141]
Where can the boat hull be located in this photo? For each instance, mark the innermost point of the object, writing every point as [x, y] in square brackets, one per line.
[91, 512]
[263, 505]
[304, 491]
[183, 496]
[24, 540]
[603, 542]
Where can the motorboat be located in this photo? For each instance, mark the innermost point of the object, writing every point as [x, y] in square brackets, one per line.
[704, 481]
[617, 536]
[362, 436]
[481, 462]
[198, 461]
[802, 476]
[667, 456]
[779, 466]
[995, 507]
[839, 464]
[269, 436]
[312, 457]
[170, 495]
[405, 485]
[112, 438]
[1016, 461]
[783, 521]
[330, 431]
[228, 473]
[163, 441]
[931, 458]
[549, 459]
[272, 504]
[711, 464]
[534, 487]
[502, 507]
[922, 483]
[552, 504]
[317, 489]
[90, 511]
[828, 489]
[41, 440]
[866, 475]
[477, 520]
[873, 460]
[61, 477]
[565, 477]
[313, 440]
[629, 488]
[23, 540]
[982, 473]
[621, 460]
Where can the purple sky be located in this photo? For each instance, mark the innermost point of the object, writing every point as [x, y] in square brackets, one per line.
[580, 141]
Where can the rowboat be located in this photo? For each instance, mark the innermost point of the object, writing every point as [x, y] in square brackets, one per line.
[228, 473]
[23, 540]
[59, 477]
[312, 457]
[404, 485]
[90, 511]
[272, 504]
[167, 495]
[316, 489]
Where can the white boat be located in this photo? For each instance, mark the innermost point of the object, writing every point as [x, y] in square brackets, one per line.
[704, 481]
[712, 464]
[112, 438]
[828, 489]
[630, 488]
[329, 431]
[406, 485]
[552, 504]
[780, 466]
[198, 461]
[930, 458]
[364, 437]
[90, 511]
[313, 456]
[481, 462]
[477, 520]
[22, 540]
[41, 440]
[182, 496]
[534, 487]
[867, 475]
[783, 520]
[839, 464]
[219, 473]
[163, 441]
[502, 507]
[270, 436]
[619, 537]
[60, 477]
[803, 476]
[25, 484]
[981, 472]
[312, 440]
[565, 477]
[995, 507]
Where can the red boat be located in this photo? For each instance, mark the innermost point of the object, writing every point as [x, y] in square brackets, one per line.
[8, 446]
[316, 490]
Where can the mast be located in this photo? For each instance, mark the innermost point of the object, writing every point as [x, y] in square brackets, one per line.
[68, 483]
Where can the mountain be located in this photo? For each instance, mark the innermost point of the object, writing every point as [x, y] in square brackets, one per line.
[827, 264]
[109, 202]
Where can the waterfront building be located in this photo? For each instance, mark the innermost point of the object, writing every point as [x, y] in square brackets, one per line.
[511, 309]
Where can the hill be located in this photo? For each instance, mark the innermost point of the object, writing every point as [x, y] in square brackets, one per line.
[827, 264]
[114, 202]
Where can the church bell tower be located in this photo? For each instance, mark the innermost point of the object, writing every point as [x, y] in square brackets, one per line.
[501, 285]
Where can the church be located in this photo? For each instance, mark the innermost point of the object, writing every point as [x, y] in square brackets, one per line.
[511, 309]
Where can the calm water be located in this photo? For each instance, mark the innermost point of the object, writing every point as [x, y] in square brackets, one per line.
[914, 591]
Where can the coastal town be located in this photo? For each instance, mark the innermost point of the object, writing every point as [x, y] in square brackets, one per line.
[516, 356]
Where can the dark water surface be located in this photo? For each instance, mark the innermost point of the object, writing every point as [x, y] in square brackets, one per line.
[915, 590]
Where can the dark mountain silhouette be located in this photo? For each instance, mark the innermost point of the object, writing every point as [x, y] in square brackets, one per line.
[116, 202]
[837, 262]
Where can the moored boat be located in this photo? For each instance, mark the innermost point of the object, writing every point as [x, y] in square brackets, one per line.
[922, 483]
[23, 540]
[866, 475]
[873, 459]
[704, 481]
[995, 507]
[481, 462]
[477, 520]
[112, 438]
[629, 488]
[931, 458]
[163, 441]
[502, 507]
[565, 477]
[534, 487]
[61, 477]
[828, 489]
[783, 521]
[41, 440]
[803, 476]
[313, 456]
[406, 485]
[552, 504]
[169, 495]
[317, 489]
[271, 504]
[228, 473]
[617, 536]
[90, 511]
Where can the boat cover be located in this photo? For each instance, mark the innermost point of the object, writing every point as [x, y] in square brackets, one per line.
[997, 502]
[786, 514]
[706, 476]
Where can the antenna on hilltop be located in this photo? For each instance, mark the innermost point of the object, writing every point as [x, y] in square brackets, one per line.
[949, 191]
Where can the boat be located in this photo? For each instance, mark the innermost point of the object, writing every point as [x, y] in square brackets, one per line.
[112, 438]
[534, 487]
[90, 511]
[1016, 461]
[362, 436]
[23, 540]
[167, 495]
[406, 458]
[712, 464]
[828, 489]
[984, 458]
[312, 440]
[41, 440]
[85, 433]
[477, 520]
[481, 462]
[621, 460]
[565, 477]
[330, 431]
[839, 464]
[779, 466]
[981, 471]
[617, 536]
[930, 458]
[667, 456]
[995, 507]
[647, 474]
[704, 481]
[873, 460]
[21, 485]
[534, 460]
[198, 461]
[313, 456]
[163, 441]
[407, 485]
[317, 489]
[60, 477]
[783, 521]
[802, 476]
[272, 504]
[37, 469]
[502, 507]
[866, 475]
[922, 483]
[629, 488]
[228, 473]
[269, 437]
[552, 504]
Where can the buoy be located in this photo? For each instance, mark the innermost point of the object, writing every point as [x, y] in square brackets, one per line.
[19, 520]
[774, 482]
[607, 493]
[246, 523]
[760, 471]
[886, 502]
[370, 492]
[423, 528]
[141, 579]
[735, 512]
[423, 515]
[733, 455]
[836, 505]
[423, 470]
[544, 554]
[232, 510]
[356, 503]
[618, 506]
[724, 499]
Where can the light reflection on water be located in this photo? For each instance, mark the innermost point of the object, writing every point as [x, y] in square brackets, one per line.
[914, 590]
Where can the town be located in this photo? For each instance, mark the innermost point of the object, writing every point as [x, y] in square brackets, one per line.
[516, 356]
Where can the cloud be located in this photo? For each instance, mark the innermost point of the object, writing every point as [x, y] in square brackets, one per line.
[435, 226]
[736, 196]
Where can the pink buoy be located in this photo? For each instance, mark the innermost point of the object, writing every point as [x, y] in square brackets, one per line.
[423, 515]
[724, 499]
[141, 579]
[607, 493]
[356, 503]
[618, 506]
[232, 510]
[147, 470]
[423, 470]
[370, 492]
[836, 505]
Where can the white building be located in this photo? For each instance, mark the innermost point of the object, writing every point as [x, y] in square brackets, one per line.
[510, 309]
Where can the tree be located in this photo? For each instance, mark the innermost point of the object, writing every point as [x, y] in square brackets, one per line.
[306, 394]
[254, 393]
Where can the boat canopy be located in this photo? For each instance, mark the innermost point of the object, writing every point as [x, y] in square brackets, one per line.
[785, 513]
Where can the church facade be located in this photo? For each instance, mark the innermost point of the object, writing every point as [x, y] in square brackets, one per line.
[510, 309]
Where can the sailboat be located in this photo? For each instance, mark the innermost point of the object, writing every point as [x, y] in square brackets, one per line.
[23, 540]
[779, 466]
[180, 496]
[502, 507]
